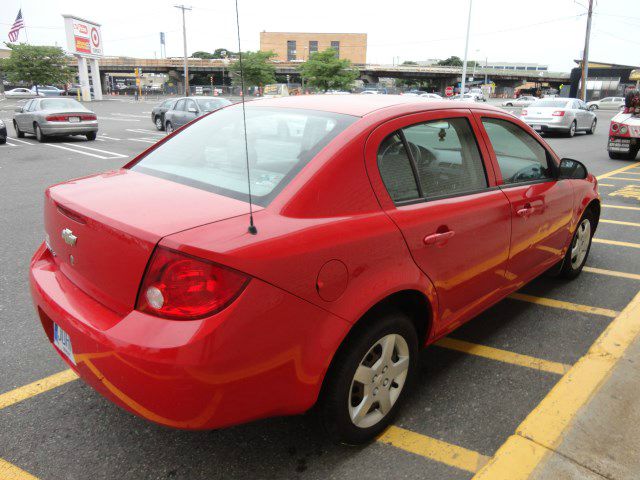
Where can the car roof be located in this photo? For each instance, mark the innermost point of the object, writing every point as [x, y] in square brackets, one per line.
[361, 105]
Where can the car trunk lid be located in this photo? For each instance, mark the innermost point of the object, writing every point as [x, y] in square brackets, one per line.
[104, 228]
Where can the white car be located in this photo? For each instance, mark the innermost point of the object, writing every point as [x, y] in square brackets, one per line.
[369, 92]
[21, 93]
[523, 101]
[566, 115]
[606, 103]
[430, 96]
[467, 97]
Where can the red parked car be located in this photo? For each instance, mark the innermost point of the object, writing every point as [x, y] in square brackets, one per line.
[383, 223]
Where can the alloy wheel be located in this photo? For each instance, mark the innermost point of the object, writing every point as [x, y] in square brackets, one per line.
[572, 129]
[169, 128]
[158, 123]
[581, 242]
[379, 380]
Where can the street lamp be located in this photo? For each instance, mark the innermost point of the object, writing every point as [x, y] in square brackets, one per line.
[466, 50]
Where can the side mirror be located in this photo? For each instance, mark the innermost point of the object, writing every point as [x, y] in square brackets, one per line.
[19, 110]
[572, 169]
[193, 110]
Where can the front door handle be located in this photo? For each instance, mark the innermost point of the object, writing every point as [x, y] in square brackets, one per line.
[438, 238]
[525, 211]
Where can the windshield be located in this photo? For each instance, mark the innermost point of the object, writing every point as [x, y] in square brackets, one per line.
[209, 105]
[61, 104]
[550, 103]
[210, 153]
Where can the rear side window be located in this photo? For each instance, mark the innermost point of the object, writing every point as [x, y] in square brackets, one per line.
[432, 160]
[520, 157]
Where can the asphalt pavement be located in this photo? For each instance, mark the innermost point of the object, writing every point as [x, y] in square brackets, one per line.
[474, 390]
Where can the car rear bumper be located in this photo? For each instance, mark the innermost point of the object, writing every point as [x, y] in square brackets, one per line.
[546, 125]
[622, 144]
[264, 355]
[66, 128]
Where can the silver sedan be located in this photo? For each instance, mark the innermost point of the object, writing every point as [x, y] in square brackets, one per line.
[566, 115]
[21, 93]
[47, 117]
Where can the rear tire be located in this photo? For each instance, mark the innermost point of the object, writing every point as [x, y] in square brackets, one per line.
[578, 251]
[91, 136]
[572, 130]
[623, 156]
[19, 133]
[368, 379]
[41, 137]
[3, 140]
[594, 124]
[509, 104]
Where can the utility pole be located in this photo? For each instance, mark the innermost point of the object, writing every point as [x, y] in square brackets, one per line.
[184, 41]
[585, 55]
[466, 50]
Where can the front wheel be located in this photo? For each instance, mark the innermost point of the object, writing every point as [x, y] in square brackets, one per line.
[19, 133]
[592, 129]
[368, 380]
[158, 122]
[169, 128]
[578, 252]
[593, 107]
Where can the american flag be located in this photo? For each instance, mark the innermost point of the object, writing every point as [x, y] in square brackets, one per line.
[14, 33]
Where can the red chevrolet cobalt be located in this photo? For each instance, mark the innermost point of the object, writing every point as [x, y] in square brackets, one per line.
[383, 223]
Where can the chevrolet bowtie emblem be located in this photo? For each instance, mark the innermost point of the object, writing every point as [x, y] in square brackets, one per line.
[68, 237]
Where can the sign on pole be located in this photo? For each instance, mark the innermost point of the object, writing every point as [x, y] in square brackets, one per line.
[84, 40]
[448, 91]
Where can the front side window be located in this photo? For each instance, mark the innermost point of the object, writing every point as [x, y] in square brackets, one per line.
[432, 160]
[210, 154]
[520, 157]
[179, 106]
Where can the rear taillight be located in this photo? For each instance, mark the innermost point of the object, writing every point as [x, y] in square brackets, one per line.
[558, 113]
[619, 130]
[88, 117]
[57, 118]
[524, 112]
[182, 287]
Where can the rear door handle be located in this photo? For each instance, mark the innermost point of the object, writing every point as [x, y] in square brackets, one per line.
[436, 238]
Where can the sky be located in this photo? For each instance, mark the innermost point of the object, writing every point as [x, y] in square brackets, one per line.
[542, 31]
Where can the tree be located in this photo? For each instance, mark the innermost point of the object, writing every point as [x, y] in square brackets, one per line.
[217, 53]
[409, 62]
[37, 65]
[455, 62]
[324, 70]
[201, 54]
[258, 70]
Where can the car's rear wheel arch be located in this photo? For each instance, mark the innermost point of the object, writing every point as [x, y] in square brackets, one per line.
[594, 209]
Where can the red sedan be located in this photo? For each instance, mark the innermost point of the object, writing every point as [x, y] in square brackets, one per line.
[383, 223]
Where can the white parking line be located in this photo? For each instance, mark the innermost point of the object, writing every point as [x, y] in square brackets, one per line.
[129, 115]
[10, 144]
[118, 119]
[76, 151]
[21, 141]
[109, 138]
[141, 140]
[146, 132]
[116, 155]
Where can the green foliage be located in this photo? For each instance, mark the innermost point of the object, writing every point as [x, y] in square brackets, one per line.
[455, 62]
[258, 70]
[217, 53]
[37, 65]
[409, 62]
[325, 71]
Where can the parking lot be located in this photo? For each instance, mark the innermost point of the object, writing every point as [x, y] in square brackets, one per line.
[475, 387]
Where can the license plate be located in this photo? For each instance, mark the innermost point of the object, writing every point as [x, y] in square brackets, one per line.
[62, 340]
[74, 119]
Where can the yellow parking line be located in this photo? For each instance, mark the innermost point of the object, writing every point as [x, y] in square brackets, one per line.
[617, 222]
[619, 170]
[612, 273]
[542, 431]
[621, 207]
[9, 471]
[433, 449]
[623, 178]
[40, 386]
[616, 242]
[576, 307]
[503, 356]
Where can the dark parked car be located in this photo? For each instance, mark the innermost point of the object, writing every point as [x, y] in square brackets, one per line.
[188, 108]
[3, 132]
[157, 114]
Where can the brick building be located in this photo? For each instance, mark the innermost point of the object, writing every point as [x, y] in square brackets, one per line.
[296, 47]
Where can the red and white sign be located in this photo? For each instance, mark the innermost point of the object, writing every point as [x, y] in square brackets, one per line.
[448, 91]
[83, 37]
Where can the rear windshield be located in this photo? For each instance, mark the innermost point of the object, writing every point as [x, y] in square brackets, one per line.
[210, 153]
[209, 105]
[550, 103]
[61, 104]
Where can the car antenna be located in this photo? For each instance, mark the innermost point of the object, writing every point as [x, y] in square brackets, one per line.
[252, 228]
